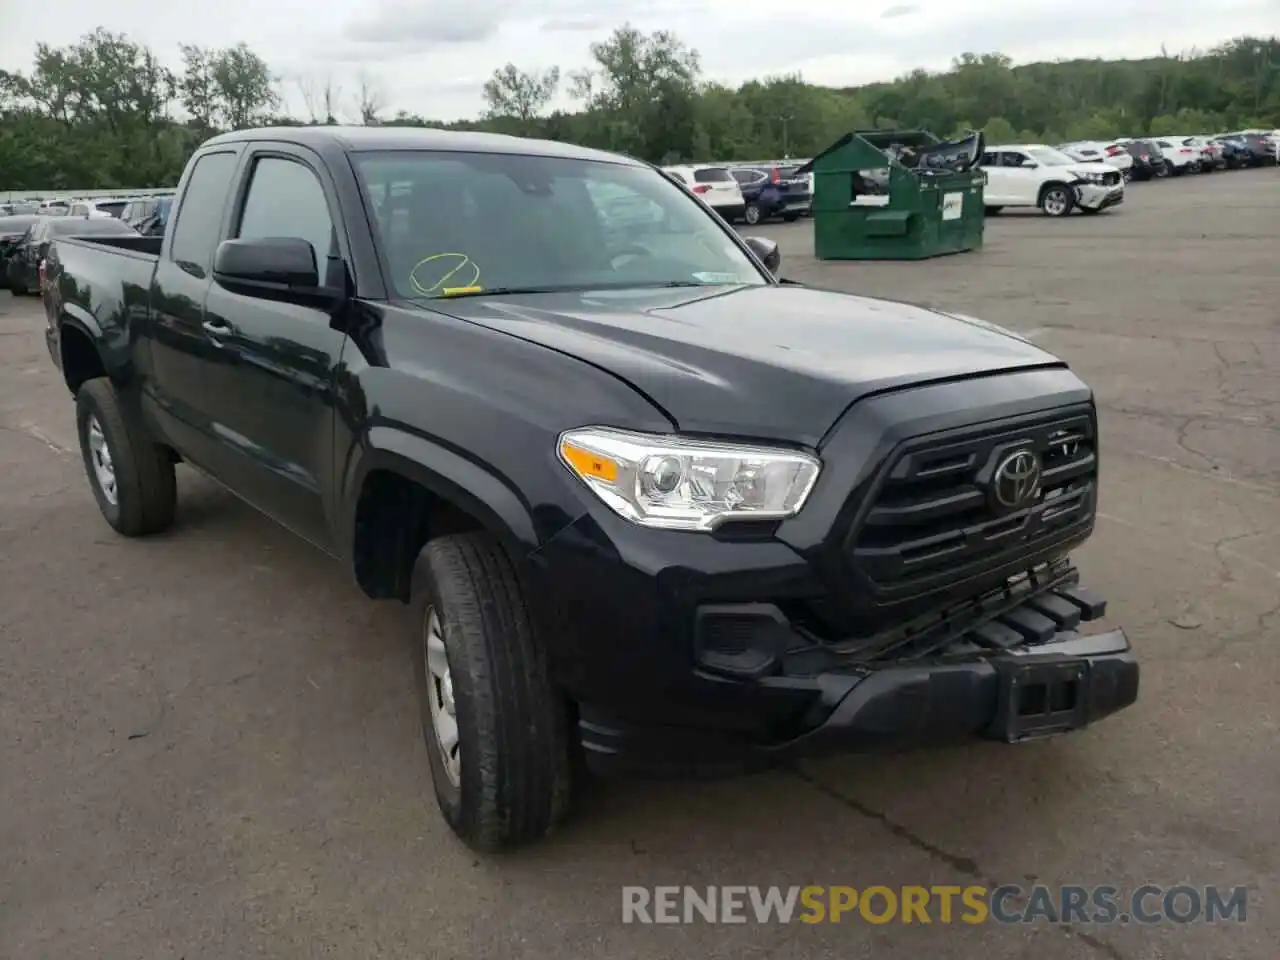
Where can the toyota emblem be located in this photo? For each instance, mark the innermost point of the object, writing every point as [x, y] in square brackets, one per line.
[1017, 479]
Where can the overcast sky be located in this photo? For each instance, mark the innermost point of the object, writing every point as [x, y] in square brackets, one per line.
[431, 56]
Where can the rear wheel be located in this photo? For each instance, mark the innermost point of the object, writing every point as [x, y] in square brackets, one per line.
[751, 214]
[131, 477]
[1056, 200]
[495, 726]
[791, 217]
[992, 211]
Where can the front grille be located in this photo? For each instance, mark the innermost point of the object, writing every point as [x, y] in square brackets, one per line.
[933, 518]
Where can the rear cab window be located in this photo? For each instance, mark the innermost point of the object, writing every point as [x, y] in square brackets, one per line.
[198, 221]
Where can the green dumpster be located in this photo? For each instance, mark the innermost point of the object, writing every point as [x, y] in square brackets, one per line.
[896, 195]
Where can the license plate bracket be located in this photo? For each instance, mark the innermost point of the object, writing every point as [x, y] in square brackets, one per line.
[1040, 699]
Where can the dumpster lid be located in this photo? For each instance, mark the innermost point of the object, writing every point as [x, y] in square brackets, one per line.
[914, 149]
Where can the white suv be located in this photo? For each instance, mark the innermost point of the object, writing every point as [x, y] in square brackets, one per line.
[1034, 175]
[714, 186]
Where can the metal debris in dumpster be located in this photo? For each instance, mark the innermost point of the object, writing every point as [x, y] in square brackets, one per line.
[897, 195]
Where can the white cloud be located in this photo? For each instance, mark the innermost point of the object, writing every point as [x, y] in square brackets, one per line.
[431, 56]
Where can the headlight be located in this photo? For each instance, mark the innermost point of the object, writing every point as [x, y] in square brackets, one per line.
[679, 484]
[1092, 177]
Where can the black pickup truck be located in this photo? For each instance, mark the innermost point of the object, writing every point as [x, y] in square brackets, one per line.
[655, 508]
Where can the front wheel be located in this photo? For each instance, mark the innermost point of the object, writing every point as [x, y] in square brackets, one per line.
[496, 727]
[751, 214]
[131, 477]
[1056, 200]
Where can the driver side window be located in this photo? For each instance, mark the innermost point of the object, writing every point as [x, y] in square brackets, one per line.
[285, 199]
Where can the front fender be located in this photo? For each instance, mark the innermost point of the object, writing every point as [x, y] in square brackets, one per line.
[466, 483]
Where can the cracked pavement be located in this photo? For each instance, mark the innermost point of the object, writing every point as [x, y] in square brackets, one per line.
[209, 744]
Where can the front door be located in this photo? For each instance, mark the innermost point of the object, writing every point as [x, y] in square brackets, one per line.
[1019, 178]
[271, 391]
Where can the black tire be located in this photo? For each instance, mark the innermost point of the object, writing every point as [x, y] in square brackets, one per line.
[514, 778]
[17, 288]
[752, 214]
[146, 492]
[992, 211]
[1058, 198]
[790, 217]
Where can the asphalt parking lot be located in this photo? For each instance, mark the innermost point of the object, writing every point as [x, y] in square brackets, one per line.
[209, 743]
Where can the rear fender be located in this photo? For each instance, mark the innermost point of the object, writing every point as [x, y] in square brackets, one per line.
[74, 317]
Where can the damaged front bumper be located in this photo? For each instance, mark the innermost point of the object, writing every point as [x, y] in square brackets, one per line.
[1095, 196]
[1033, 671]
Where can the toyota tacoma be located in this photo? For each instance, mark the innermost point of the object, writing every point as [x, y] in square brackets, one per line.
[655, 509]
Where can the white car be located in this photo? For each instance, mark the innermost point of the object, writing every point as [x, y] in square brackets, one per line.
[1181, 154]
[1110, 152]
[714, 185]
[97, 209]
[1035, 175]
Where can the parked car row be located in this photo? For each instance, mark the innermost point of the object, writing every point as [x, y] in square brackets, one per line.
[1058, 180]
[150, 211]
[749, 191]
[1144, 158]
[25, 240]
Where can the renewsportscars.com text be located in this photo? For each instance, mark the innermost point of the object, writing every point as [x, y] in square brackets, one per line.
[1073, 904]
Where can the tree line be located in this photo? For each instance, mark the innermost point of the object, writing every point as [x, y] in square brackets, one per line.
[106, 112]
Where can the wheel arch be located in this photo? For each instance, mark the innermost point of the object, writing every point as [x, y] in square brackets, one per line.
[403, 490]
[79, 352]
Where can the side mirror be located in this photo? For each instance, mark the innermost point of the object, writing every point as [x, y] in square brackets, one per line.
[272, 268]
[767, 251]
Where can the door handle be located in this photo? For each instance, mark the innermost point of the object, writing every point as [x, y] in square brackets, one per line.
[218, 328]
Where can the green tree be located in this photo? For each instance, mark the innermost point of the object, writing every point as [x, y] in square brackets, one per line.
[999, 130]
[105, 112]
[643, 89]
[244, 87]
[197, 87]
[520, 95]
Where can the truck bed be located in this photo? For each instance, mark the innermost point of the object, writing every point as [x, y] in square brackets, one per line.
[146, 247]
[104, 285]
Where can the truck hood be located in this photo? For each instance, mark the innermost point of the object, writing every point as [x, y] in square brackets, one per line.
[769, 362]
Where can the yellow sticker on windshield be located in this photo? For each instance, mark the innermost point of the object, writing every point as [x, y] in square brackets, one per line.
[440, 269]
[455, 291]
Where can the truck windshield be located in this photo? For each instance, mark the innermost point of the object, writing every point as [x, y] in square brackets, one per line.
[454, 223]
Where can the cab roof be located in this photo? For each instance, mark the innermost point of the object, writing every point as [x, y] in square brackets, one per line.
[371, 139]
